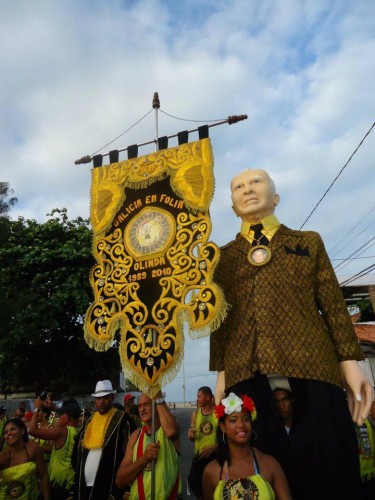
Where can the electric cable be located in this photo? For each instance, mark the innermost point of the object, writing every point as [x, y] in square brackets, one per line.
[355, 237]
[355, 227]
[355, 252]
[338, 175]
[356, 258]
[360, 274]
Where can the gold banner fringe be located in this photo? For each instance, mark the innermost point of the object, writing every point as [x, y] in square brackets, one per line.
[154, 261]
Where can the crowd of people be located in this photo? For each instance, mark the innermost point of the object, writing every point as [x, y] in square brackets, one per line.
[62, 452]
[114, 451]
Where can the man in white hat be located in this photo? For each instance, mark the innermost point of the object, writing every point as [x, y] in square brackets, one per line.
[101, 447]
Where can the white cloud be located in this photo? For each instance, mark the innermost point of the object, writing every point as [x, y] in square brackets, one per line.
[77, 73]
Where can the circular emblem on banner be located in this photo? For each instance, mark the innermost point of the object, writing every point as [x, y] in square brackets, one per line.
[151, 231]
[259, 255]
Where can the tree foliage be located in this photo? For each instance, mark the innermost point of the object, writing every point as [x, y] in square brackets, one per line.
[7, 200]
[44, 292]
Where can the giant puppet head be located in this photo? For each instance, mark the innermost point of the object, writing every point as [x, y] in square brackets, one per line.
[253, 195]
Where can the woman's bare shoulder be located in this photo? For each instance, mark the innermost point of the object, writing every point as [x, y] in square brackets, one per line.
[212, 468]
[265, 460]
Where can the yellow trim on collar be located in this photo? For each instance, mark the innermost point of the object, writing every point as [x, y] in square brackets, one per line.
[270, 225]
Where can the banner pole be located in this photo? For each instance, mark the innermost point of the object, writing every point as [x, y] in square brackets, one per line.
[156, 106]
[230, 121]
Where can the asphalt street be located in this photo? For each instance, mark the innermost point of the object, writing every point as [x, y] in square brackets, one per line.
[183, 416]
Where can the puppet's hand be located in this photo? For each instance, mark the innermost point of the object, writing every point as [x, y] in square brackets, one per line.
[358, 389]
[220, 387]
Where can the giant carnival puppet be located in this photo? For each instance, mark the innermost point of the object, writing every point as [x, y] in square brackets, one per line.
[287, 327]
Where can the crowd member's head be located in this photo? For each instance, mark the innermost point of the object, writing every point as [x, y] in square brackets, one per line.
[129, 400]
[69, 412]
[285, 402]
[145, 411]
[19, 413]
[104, 396]
[15, 431]
[204, 397]
[235, 415]
[3, 410]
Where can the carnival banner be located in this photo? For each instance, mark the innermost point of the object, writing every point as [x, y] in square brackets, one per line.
[154, 261]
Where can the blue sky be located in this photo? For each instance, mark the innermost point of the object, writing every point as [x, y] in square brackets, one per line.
[75, 74]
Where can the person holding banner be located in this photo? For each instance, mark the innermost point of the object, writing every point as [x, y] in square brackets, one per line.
[136, 467]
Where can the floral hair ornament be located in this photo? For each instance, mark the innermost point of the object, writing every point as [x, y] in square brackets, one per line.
[233, 403]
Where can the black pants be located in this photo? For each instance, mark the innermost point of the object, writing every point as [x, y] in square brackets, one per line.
[320, 454]
[196, 472]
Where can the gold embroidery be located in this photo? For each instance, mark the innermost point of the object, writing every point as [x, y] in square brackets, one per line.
[154, 261]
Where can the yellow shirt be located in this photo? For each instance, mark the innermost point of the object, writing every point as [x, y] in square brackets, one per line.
[270, 225]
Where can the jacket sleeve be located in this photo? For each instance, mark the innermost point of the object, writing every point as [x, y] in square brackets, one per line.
[218, 338]
[333, 308]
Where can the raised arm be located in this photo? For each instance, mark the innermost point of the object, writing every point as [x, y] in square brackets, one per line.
[168, 422]
[220, 387]
[56, 433]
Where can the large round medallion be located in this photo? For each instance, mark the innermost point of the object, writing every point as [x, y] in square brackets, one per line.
[259, 255]
[150, 232]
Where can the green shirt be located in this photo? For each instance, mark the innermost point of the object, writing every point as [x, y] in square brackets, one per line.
[166, 468]
[60, 470]
[205, 435]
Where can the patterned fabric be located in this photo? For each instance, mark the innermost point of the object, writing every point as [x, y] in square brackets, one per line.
[285, 317]
[249, 488]
[19, 482]
[154, 260]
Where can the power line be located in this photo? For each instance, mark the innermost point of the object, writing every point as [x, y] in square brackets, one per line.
[356, 258]
[360, 274]
[363, 218]
[338, 175]
[355, 237]
[355, 252]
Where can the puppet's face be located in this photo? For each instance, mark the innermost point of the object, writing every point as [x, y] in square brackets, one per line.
[253, 195]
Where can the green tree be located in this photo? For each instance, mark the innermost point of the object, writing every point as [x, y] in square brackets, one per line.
[45, 291]
[7, 200]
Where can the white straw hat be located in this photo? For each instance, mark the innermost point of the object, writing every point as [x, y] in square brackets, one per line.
[103, 387]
